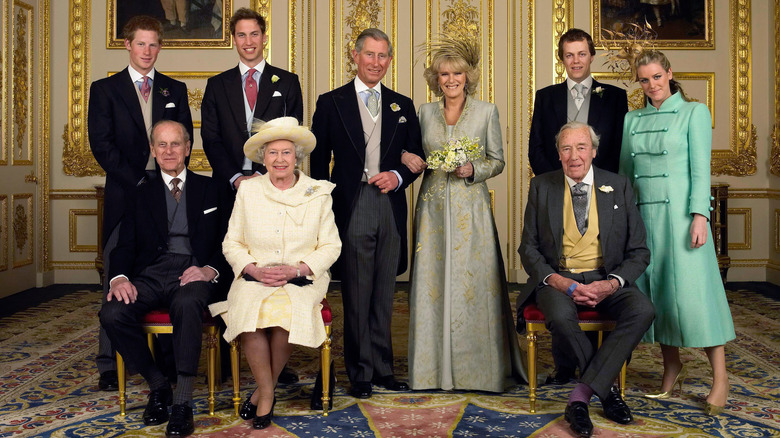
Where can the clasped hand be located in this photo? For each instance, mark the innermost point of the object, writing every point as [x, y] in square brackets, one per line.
[123, 289]
[591, 294]
[275, 276]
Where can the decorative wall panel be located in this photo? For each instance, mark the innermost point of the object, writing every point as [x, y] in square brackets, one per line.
[775, 153]
[22, 219]
[4, 237]
[22, 85]
[747, 230]
[73, 230]
[4, 73]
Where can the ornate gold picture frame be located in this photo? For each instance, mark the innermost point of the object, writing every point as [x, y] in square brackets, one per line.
[687, 24]
[201, 23]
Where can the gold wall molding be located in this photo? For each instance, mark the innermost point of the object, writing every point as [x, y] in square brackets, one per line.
[21, 85]
[777, 230]
[72, 266]
[747, 232]
[774, 157]
[5, 138]
[562, 18]
[22, 221]
[77, 159]
[752, 263]
[292, 31]
[462, 20]
[4, 232]
[264, 8]
[198, 161]
[362, 15]
[44, 135]
[73, 231]
[754, 193]
[740, 159]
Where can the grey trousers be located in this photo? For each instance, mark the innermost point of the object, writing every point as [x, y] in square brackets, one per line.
[371, 249]
[633, 312]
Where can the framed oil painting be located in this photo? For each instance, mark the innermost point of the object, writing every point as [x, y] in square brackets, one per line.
[186, 23]
[676, 24]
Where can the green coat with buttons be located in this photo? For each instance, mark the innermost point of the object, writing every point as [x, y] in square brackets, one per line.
[666, 155]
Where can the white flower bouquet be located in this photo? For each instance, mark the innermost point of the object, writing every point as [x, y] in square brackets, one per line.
[455, 153]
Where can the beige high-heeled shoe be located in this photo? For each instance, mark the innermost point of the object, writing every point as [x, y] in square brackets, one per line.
[677, 381]
[713, 410]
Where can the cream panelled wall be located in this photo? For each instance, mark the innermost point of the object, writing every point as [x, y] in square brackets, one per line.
[735, 77]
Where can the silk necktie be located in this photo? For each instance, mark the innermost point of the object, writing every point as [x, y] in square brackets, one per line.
[146, 88]
[373, 102]
[250, 88]
[579, 98]
[579, 199]
[176, 191]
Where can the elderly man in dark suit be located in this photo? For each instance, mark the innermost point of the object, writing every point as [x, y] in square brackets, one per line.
[367, 126]
[580, 98]
[169, 255]
[583, 245]
[122, 109]
[234, 98]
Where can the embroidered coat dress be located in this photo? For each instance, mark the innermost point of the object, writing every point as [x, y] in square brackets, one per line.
[666, 155]
[461, 334]
[271, 226]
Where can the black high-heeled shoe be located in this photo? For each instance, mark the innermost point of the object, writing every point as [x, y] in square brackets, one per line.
[248, 409]
[263, 421]
[316, 395]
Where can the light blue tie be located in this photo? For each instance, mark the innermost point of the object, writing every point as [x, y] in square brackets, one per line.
[372, 103]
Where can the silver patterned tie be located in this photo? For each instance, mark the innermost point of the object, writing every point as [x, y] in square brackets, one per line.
[373, 102]
[579, 199]
[579, 98]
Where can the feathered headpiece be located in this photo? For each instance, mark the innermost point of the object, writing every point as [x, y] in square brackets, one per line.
[450, 46]
[628, 46]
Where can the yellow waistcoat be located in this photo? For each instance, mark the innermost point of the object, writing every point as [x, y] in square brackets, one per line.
[580, 252]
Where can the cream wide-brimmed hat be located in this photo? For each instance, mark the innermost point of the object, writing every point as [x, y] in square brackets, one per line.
[283, 128]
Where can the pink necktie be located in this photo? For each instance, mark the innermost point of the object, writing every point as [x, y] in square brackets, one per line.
[146, 87]
[250, 88]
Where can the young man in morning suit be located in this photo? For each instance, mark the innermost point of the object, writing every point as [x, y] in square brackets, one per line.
[169, 255]
[235, 97]
[579, 98]
[122, 110]
[573, 265]
[367, 126]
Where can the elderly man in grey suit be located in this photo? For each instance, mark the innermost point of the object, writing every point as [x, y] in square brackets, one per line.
[572, 264]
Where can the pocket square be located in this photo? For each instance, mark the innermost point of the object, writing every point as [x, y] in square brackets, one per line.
[615, 207]
[170, 105]
[277, 94]
[402, 119]
[210, 210]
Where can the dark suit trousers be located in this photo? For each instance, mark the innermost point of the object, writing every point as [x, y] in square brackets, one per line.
[106, 359]
[371, 250]
[633, 312]
[158, 287]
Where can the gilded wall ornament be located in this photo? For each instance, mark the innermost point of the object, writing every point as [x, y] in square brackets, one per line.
[20, 227]
[562, 18]
[461, 19]
[774, 157]
[21, 83]
[362, 15]
[195, 98]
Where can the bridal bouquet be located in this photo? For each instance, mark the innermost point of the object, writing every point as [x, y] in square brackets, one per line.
[455, 153]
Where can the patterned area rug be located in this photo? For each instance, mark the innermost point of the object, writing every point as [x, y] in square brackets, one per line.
[48, 387]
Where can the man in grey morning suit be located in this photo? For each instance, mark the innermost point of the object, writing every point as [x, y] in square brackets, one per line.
[367, 126]
[573, 264]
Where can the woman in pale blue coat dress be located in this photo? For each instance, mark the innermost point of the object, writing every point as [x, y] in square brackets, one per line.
[461, 334]
[666, 154]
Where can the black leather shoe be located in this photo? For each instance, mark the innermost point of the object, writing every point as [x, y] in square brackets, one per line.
[579, 419]
[181, 422]
[615, 408]
[263, 421]
[156, 411]
[288, 376]
[360, 390]
[108, 381]
[248, 409]
[389, 382]
[562, 376]
[316, 394]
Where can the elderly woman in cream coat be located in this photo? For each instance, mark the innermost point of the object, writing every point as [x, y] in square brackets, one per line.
[281, 241]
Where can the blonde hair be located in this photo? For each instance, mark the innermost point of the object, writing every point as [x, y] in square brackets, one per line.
[657, 57]
[459, 54]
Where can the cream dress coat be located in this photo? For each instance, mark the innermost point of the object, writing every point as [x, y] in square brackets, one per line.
[272, 226]
[461, 333]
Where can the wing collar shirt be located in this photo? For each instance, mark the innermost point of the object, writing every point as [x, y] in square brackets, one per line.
[587, 83]
[244, 69]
